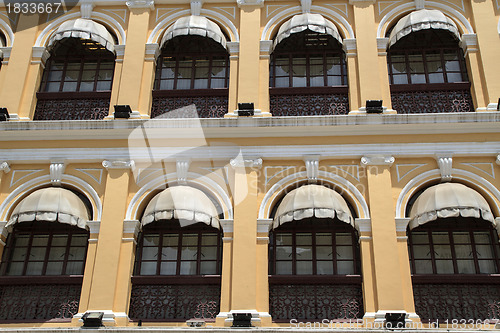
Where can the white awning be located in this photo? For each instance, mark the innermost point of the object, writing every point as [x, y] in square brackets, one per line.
[312, 201]
[85, 29]
[421, 20]
[302, 22]
[186, 204]
[53, 204]
[449, 200]
[194, 25]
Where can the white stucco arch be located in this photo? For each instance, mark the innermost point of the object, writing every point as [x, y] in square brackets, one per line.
[44, 181]
[349, 189]
[8, 33]
[273, 24]
[160, 182]
[390, 18]
[227, 25]
[113, 24]
[486, 189]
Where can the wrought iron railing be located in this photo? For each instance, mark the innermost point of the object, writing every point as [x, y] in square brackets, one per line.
[315, 301]
[448, 301]
[201, 103]
[72, 106]
[39, 302]
[313, 101]
[432, 98]
[174, 302]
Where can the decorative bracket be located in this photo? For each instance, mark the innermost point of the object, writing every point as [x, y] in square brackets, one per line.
[497, 161]
[445, 163]
[377, 160]
[5, 167]
[196, 7]
[152, 52]
[246, 163]
[312, 167]
[118, 164]
[306, 6]
[182, 170]
[56, 172]
[419, 4]
[86, 9]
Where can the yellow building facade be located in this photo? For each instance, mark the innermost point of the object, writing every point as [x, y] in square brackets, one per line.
[295, 161]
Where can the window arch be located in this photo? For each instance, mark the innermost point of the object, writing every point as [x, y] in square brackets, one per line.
[314, 256]
[78, 76]
[45, 254]
[308, 62]
[427, 68]
[178, 259]
[193, 68]
[454, 254]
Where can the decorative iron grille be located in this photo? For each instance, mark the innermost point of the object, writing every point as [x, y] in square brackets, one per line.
[457, 301]
[39, 302]
[309, 101]
[92, 107]
[315, 302]
[174, 302]
[171, 104]
[432, 101]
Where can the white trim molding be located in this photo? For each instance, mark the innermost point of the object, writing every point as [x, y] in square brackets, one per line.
[402, 223]
[264, 225]
[152, 52]
[350, 46]
[246, 163]
[363, 224]
[141, 4]
[132, 227]
[242, 3]
[118, 164]
[94, 226]
[227, 225]
[377, 160]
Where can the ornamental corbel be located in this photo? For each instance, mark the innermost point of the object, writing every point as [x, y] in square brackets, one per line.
[5, 167]
[306, 6]
[419, 4]
[56, 171]
[182, 170]
[445, 164]
[196, 7]
[497, 161]
[312, 168]
[377, 160]
[86, 9]
[152, 52]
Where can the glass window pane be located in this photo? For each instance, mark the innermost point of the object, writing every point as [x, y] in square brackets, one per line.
[37, 253]
[168, 268]
[86, 86]
[170, 240]
[15, 268]
[423, 267]
[400, 79]
[183, 83]
[334, 81]
[34, 268]
[436, 78]
[482, 237]
[19, 253]
[283, 252]
[303, 239]
[190, 239]
[76, 253]
[188, 268]
[201, 84]
[57, 65]
[344, 252]
[487, 266]
[167, 73]
[149, 253]
[419, 237]
[105, 75]
[283, 267]
[208, 267]
[454, 77]
[150, 240]
[169, 253]
[484, 252]
[317, 81]
[79, 240]
[189, 253]
[71, 75]
[417, 78]
[398, 68]
[54, 268]
[434, 67]
[304, 267]
[57, 253]
[164, 85]
[421, 251]
[69, 86]
[75, 66]
[201, 73]
[103, 85]
[461, 237]
[323, 238]
[466, 267]
[148, 268]
[345, 267]
[398, 58]
[89, 65]
[282, 82]
[333, 67]
[216, 83]
[40, 240]
[343, 239]
[184, 73]
[442, 251]
[53, 86]
[283, 239]
[74, 268]
[88, 75]
[304, 252]
[21, 240]
[209, 253]
[59, 240]
[444, 266]
[299, 82]
[324, 267]
[463, 251]
[219, 72]
[452, 65]
[55, 76]
[324, 252]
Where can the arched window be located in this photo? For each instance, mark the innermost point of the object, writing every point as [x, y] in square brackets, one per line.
[427, 69]
[78, 76]
[44, 258]
[178, 259]
[308, 73]
[454, 254]
[193, 69]
[314, 260]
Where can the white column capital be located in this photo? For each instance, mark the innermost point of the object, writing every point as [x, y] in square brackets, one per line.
[227, 225]
[468, 43]
[363, 224]
[5, 167]
[94, 226]
[132, 227]
[350, 47]
[497, 161]
[264, 225]
[377, 160]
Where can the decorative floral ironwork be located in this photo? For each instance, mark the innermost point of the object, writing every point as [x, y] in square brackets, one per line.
[457, 301]
[174, 301]
[203, 106]
[315, 301]
[309, 104]
[72, 109]
[432, 101]
[39, 302]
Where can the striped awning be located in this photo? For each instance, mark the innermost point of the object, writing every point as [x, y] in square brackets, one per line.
[449, 200]
[53, 204]
[312, 201]
[186, 204]
[84, 29]
[194, 25]
[307, 21]
[421, 20]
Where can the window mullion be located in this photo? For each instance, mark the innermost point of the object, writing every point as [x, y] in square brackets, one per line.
[453, 252]
[160, 252]
[474, 252]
